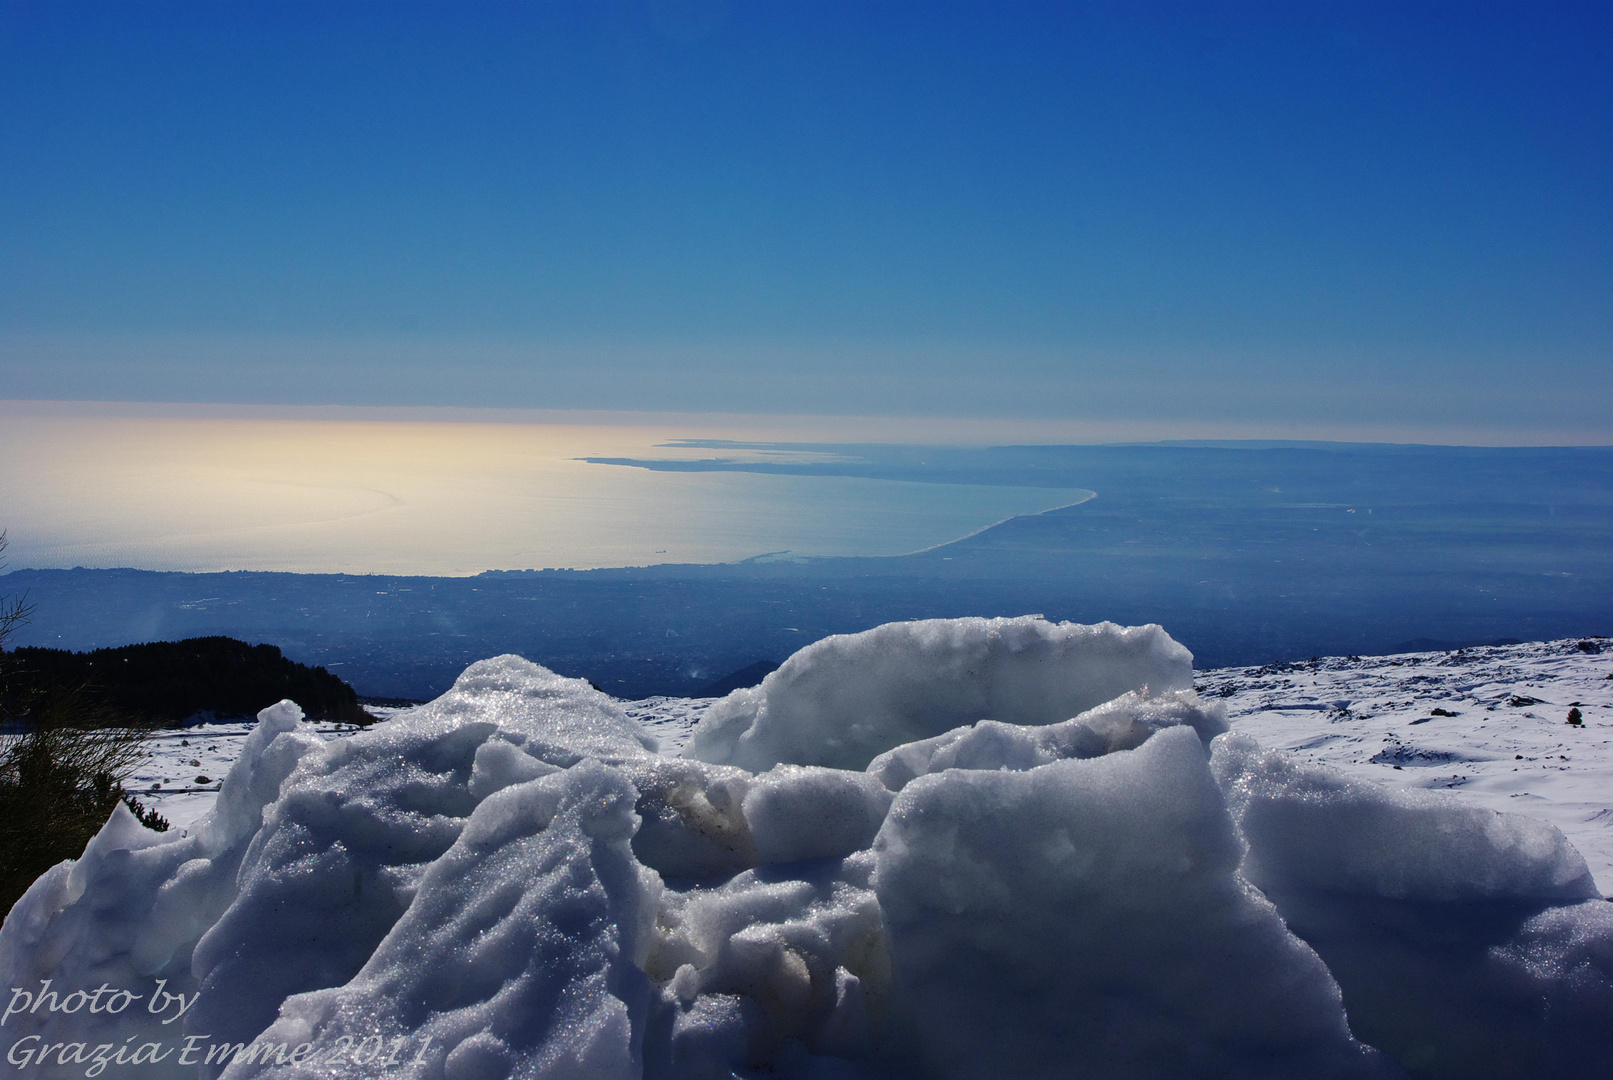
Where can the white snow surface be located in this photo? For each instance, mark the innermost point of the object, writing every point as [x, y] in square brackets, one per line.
[1507, 747]
[847, 698]
[1092, 911]
[184, 769]
[967, 848]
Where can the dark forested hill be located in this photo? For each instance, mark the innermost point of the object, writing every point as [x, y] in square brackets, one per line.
[171, 681]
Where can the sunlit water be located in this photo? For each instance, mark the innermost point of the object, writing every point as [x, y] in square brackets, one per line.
[199, 493]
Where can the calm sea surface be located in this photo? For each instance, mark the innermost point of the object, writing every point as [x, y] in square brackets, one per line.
[210, 493]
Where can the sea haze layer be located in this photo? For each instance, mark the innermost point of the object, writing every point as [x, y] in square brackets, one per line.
[251, 493]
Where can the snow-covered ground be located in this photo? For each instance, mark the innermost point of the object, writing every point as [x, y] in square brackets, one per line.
[670, 719]
[1489, 723]
[1500, 737]
[957, 849]
[181, 775]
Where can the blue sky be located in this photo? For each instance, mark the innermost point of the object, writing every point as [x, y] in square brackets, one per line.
[1394, 213]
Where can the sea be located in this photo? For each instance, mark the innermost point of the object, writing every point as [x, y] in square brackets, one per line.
[201, 489]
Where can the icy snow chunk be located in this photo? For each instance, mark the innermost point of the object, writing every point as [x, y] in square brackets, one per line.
[693, 824]
[775, 955]
[711, 1037]
[1311, 827]
[333, 868]
[342, 850]
[1561, 961]
[498, 764]
[1465, 940]
[521, 953]
[1092, 911]
[128, 912]
[1121, 724]
[809, 812]
[253, 782]
[560, 720]
[1567, 946]
[843, 700]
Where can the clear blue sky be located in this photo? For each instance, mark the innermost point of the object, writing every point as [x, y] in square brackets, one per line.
[1381, 212]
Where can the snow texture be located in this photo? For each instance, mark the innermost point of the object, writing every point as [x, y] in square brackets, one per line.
[1487, 722]
[523, 949]
[1122, 724]
[1468, 942]
[843, 700]
[810, 812]
[1093, 911]
[944, 849]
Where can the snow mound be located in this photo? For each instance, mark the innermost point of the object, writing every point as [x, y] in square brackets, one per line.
[341, 854]
[557, 720]
[522, 951]
[948, 849]
[809, 812]
[128, 912]
[1313, 829]
[1468, 942]
[1122, 724]
[846, 699]
[1093, 911]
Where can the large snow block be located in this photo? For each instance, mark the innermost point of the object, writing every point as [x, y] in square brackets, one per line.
[522, 953]
[1089, 915]
[1468, 943]
[356, 827]
[778, 957]
[1122, 724]
[843, 700]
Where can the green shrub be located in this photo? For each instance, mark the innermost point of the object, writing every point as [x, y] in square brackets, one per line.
[60, 778]
[63, 758]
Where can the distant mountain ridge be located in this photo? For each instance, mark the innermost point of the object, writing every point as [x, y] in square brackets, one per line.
[749, 675]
